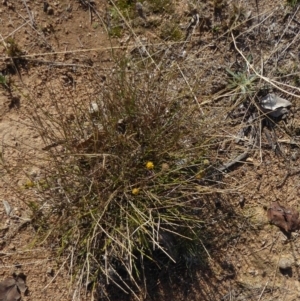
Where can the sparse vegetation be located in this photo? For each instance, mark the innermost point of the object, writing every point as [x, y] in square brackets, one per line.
[12, 48]
[153, 157]
[241, 84]
[3, 80]
[161, 6]
[293, 3]
[171, 32]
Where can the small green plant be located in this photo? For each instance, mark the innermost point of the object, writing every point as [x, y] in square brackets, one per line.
[171, 31]
[216, 29]
[241, 81]
[160, 6]
[293, 3]
[95, 25]
[124, 4]
[241, 85]
[116, 14]
[296, 80]
[115, 31]
[125, 8]
[12, 48]
[6, 82]
[3, 80]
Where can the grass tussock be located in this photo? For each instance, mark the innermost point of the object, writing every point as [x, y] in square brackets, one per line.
[122, 184]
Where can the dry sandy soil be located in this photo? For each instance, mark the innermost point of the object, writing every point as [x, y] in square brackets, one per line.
[60, 47]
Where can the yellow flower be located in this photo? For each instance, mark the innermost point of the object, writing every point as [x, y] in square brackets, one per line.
[149, 165]
[135, 191]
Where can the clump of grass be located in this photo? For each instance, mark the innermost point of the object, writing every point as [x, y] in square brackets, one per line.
[241, 81]
[241, 84]
[236, 14]
[3, 80]
[115, 31]
[6, 83]
[293, 3]
[12, 48]
[171, 31]
[122, 179]
[116, 13]
[160, 6]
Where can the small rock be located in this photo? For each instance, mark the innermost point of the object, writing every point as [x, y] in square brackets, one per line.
[50, 272]
[94, 108]
[121, 126]
[16, 212]
[50, 10]
[252, 272]
[250, 160]
[242, 201]
[285, 263]
[34, 172]
[274, 105]
[7, 207]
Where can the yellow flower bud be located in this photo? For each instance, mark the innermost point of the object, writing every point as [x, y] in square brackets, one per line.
[135, 191]
[149, 165]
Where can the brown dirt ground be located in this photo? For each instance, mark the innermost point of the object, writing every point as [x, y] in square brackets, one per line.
[245, 264]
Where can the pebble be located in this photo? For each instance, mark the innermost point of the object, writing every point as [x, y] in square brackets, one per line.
[50, 10]
[50, 272]
[94, 108]
[253, 272]
[34, 172]
[285, 262]
[16, 212]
